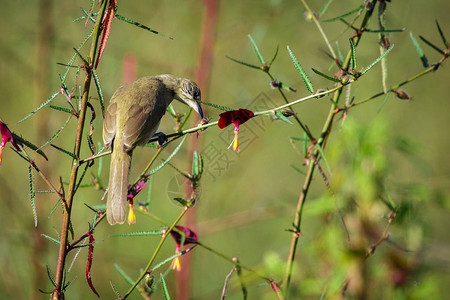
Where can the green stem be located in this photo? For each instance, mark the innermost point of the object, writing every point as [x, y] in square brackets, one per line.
[316, 22]
[155, 253]
[234, 262]
[309, 175]
[63, 248]
[318, 95]
[148, 166]
[305, 129]
[42, 175]
[409, 80]
[258, 113]
[227, 258]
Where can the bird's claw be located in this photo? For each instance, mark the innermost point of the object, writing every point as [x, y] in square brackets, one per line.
[161, 138]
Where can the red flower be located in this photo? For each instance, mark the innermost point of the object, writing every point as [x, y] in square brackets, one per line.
[237, 117]
[188, 237]
[7, 136]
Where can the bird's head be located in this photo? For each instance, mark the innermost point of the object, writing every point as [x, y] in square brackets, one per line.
[189, 93]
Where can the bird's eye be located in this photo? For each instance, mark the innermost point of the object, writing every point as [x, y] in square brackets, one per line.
[197, 94]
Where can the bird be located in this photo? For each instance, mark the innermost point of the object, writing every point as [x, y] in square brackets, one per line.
[132, 119]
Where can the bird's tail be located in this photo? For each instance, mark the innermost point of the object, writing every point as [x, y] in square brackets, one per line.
[116, 205]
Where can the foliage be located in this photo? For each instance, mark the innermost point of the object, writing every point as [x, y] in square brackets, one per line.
[355, 229]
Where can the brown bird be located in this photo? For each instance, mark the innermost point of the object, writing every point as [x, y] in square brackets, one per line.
[131, 119]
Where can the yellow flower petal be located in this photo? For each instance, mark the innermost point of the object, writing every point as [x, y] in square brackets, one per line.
[176, 265]
[236, 141]
[131, 215]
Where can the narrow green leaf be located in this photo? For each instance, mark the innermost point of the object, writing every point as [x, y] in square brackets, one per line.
[195, 164]
[153, 171]
[285, 86]
[297, 169]
[32, 194]
[419, 51]
[123, 274]
[339, 52]
[63, 109]
[322, 153]
[282, 117]
[302, 73]
[274, 56]
[200, 167]
[384, 30]
[444, 40]
[115, 290]
[353, 53]
[305, 144]
[66, 284]
[384, 100]
[431, 45]
[97, 207]
[185, 174]
[137, 233]
[84, 245]
[224, 108]
[325, 76]
[45, 192]
[129, 21]
[258, 53]
[164, 288]
[345, 15]
[181, 201]
[65, 151]
[244, 63]
[50, 238]
[392, 204]
[81, 56]
[99, 91]
[40, 107]
[172, 110]
[57, 132]
[324, 8]
[348, 99]
[87, 15]
[298, 139]
[29, 145]
[377, 60]
[80, 97]
[157, 266]
[304, 141]
[55, 207]
[384, 70]
[50, 276]
[86, 166]
[74, 56]
[324, 292]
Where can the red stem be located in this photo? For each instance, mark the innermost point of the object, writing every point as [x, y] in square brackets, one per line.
[202, 78]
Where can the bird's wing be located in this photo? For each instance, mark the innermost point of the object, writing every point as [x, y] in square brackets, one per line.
[134, 127]
[109, 125]
[145, 113]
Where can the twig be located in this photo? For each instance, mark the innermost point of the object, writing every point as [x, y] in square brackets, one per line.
[58, 293]
[296, 232]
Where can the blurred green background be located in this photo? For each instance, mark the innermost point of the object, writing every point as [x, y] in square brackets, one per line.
[248, 199]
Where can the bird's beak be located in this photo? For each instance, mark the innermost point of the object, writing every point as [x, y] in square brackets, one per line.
[196, 106]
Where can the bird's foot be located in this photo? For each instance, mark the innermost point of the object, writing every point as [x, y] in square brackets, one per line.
[161, 138]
